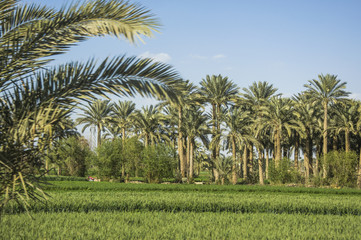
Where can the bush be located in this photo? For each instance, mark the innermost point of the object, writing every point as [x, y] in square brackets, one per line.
[132, 156]
[342, 168]
[110, 158]
[74, 155]
[158, 162]
[284, 173]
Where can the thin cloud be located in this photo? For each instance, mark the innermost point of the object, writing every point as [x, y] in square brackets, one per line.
[218, 56]
[201, 57]
[159, 57]
[196, 56]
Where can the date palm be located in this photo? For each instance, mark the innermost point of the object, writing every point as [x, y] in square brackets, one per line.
[277, 117]
[122, 115]
[254, 98]
[35, 97]
[195, 125]
[218, 91]
[326, 90]
[239, 124]
[346, 120]
[186, 97]
[98, 114]
[306, 125]
[358, 128]
[148, 122]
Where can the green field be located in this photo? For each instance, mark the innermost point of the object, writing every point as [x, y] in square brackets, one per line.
[90, 210]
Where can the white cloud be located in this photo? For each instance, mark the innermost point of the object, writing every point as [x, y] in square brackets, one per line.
[159, 57]
[196, 56]
[214, 57]
[218, 56]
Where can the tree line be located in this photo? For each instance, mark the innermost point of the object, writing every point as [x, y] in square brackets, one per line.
[245, 133]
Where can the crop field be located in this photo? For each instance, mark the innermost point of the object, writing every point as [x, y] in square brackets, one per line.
[90, 210]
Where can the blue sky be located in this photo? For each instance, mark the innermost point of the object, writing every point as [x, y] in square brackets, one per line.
[283, 42]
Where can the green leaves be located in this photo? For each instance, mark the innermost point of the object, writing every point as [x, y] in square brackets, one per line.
[35, 100]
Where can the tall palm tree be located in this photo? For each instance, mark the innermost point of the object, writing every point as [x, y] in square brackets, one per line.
[122, 115]
[277, 117]
[254, 98]
[358, 127]
[258, 93]
[148, 122]
[98, 114]
[306, 125]
[195, 125]
[326, 90]
[238, 134]
[218, 91]
[34, 97]
[187, 96]
[346, 120]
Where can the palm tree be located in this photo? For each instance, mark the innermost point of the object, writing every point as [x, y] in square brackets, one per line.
[326, 90]
[98, 114]
[358, 127]
[346, 120]
[255, 97]
[148, 122]
[218, 91]
[258, 94]
[122, 115]
[34, 97]
[277, 117]
[306, 125]
[186, 97]
[195, 125]
[239, 134]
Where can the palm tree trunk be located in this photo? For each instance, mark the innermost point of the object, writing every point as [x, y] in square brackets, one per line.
[188, 157]
[334, 142]
[260, 167]
[267, 162]
[245, 162]
[191, 162]
[250, 160]
[218, 147]
[146, 140]
[307, 166]
[318, 157]
[234, 166]
[214, 151]
[123, 134]
[309, 156]
[359, 172]
[297, 143]
[324, 140]
[180, 142]
[99, 136]
[279, 150]
[347, 140]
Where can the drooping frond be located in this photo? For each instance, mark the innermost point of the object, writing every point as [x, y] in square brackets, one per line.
[29, 35]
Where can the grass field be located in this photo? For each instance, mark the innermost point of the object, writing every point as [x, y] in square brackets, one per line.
[89, 210]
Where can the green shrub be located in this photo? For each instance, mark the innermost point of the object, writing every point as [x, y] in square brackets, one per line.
[158, 162]
[342, 168]
[132, 157]
[74, 155]
[284, 173]
[110, 158]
